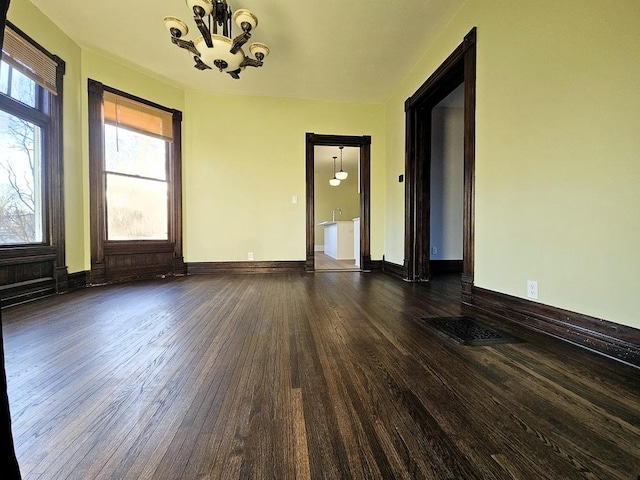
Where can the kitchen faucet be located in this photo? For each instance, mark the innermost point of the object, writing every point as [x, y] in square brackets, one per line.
[333, 214]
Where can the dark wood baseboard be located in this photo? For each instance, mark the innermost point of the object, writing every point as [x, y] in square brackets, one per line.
[374, 266]
[393, 269]
[437, 267]
[611, 339]
[21, 292]
[77, 281]
[283, 266]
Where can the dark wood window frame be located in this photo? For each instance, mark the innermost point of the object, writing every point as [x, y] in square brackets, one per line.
[364, 143]
[459, 67]
[33, 270]
[114, 261]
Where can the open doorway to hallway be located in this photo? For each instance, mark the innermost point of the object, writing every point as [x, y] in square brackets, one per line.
[361, 225]
[447, 184]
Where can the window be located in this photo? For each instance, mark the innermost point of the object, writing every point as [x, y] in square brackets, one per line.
[24, 128]
[31, 190]
[135, 186]
[21, 201]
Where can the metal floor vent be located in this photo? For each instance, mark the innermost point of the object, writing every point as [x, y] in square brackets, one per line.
[468, 331]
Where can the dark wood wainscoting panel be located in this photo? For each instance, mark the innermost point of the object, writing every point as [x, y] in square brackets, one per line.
[140, 265]
[27, 273]
[21, 292]
[208, 268]
[125, 261]
[614, 340]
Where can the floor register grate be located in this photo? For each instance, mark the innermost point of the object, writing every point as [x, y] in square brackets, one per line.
[469, 331]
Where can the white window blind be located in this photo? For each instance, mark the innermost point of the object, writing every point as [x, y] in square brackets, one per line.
[30, 60]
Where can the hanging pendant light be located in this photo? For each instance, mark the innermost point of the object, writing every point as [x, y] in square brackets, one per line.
[341, 175]
[334, 182]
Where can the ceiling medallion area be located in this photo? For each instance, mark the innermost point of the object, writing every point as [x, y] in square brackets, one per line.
[216, 47]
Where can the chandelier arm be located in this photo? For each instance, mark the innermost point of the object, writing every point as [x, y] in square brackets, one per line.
[200, 65]
[204, 30]
[227, 22]
[235, 74]
[186, 44]
[239, 41]
[250, 62]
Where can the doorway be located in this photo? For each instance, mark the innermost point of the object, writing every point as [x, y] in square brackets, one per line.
[459, 68]
[360, 146]
[337, 208]
[446, 189]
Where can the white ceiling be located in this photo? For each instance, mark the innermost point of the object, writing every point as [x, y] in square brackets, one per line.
[354, 50]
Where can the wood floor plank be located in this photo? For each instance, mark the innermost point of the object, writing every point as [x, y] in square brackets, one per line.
[280, 376]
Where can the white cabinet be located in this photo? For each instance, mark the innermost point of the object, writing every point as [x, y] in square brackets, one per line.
[338, 240]
[356, 240]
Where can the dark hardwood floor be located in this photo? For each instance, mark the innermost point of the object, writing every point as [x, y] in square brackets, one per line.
[330, 375]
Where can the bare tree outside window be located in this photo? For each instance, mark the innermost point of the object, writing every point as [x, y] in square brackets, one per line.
[20, 165]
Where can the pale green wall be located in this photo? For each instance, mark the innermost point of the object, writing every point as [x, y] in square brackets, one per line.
[31, 21]
[242, 168]
[557, 149]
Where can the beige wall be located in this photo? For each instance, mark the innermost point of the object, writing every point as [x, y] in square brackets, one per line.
[241, 173]
[557, 170]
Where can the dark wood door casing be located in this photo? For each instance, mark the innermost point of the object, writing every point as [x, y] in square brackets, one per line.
[364, 143]
[459, 67]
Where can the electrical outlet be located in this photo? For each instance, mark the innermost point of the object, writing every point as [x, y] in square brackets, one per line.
[532, 289]
[434, 250]
[250, 256]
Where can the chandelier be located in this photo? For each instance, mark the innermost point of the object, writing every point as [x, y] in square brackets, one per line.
[216, 47]
[338, 176]
[334, 182]
[341, 175]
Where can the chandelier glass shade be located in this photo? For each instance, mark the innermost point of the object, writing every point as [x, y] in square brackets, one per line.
[341, 175]
[334, 182]
[216, 47]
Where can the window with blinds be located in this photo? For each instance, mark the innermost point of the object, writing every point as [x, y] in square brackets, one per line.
[29, 130]
[32, 216]
[137, 139]
[135, 186]
[28, 59]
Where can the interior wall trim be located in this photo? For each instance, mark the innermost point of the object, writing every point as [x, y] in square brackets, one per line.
[458, 68]
[22, 292]
[393, 269]
[602, 336]
[281, 266]
[77, 281]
